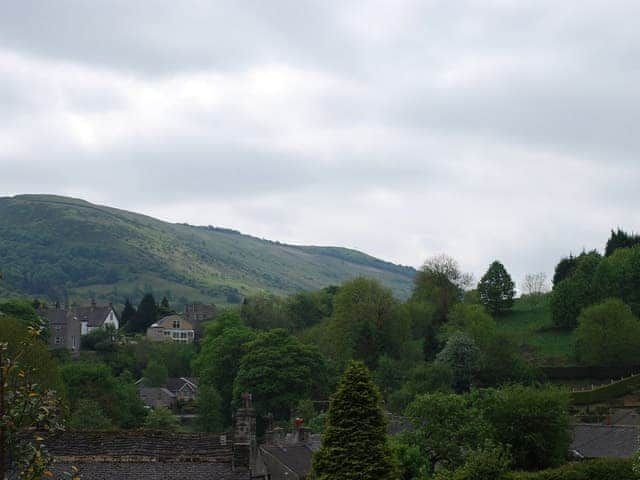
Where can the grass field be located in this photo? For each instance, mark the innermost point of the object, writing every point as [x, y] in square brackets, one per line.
[530, 326]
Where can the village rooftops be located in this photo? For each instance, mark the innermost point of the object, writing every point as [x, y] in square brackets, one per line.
[598, 441]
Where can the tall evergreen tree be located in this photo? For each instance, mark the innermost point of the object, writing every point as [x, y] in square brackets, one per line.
[146, 314]
[620, 239]
[355, 444]
[127, 315]
[496, 289]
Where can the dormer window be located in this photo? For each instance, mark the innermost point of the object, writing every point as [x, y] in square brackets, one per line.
[176, 324]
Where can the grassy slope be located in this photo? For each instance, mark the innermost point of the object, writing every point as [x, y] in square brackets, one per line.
[531, 326]
[78, 245]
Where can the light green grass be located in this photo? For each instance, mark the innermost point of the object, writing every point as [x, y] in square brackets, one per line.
[530, 327]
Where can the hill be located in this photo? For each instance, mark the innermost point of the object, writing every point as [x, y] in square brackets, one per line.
[64, 248]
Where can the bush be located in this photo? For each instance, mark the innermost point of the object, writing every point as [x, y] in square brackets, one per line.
[601, 469]
[161, 419]
[608, 334]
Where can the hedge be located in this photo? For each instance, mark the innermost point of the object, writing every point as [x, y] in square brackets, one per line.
[606, 392]
[602, 469]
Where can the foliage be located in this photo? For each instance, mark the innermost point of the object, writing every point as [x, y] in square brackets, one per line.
[496, 289]
[575, 292]
[608, 334]
[99, 340]
[89, 416]
[117, 396]
[422, 319]
[601, 469]
[354, 445]
[620, 239]
[618, 275]
[209, 409]
[412, 464]
[26, 406]
[462, 356]
[564, 269]
[366, 322]
[423, 378]
[489, 462]
[223, 346]
[162, 419]
[156, 374]
[264, 311]
[146, 315]
[445, 426]
[279, 371]
[441, 283]
[127, 315]
[533, 421]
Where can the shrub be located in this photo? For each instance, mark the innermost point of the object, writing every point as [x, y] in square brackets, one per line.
[601, 469]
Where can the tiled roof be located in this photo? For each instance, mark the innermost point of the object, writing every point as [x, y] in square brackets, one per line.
[597, 441]
[54, 315]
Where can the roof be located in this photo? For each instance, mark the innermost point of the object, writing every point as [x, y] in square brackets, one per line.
[597, 441]
[153, 396]
[94, 316]
[295, 457]
[167, 322]
[174, 384]
[54, 315]
[151, 471]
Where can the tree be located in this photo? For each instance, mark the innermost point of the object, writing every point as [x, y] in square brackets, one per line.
[564, 268]
[462, 356]
[223, 346]
[164, 308]
[161, 419]
[535, 422]
[209, 409]
[608, 334]
[423, 378]
[496, 289]
[354, 445]
[441, 283]
[127, 315]
[279, 371]
[618, 275]
[576, 291]
[366, 322]
[444, 427]
[156, 374]
[490, 461]
[620, 239]
[534, 286]
[146, 315]
[25, 406]
[90, 416]
[264, 311]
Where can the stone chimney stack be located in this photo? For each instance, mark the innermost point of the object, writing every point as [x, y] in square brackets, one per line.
[244, 436]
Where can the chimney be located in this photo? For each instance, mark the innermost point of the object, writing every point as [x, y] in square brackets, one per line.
[93, 303]
[244, 436]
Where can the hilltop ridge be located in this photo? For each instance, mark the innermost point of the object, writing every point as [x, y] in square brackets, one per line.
[64, 248]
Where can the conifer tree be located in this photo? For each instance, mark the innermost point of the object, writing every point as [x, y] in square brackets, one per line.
[128, 312]
[355, 444]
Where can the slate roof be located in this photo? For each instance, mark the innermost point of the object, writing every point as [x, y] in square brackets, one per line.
[54, 315]
[295, 457]
[94, 316]
[150, 471]
[597, 441]
[145, 455]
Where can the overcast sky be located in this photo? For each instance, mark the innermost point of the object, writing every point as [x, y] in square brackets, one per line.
[486, 130]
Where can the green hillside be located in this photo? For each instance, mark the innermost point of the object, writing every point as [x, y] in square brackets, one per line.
[61, 248]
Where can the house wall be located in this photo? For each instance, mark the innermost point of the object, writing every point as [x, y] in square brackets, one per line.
[65, 335]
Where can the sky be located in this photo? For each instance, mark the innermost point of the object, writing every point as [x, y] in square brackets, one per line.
[481, 129]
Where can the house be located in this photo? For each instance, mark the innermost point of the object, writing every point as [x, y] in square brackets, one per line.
[94, 317]
[171, 327]
[197, 313]
[65, 328]
[180, 389]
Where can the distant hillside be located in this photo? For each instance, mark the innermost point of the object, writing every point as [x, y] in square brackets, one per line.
[64, 248]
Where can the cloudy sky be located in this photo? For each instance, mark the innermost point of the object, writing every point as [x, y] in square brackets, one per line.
[483, 129]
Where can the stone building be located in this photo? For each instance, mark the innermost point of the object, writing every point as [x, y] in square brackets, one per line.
[171, 327]
[65, 328]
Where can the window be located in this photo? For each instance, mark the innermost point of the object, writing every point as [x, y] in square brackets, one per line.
[167, 333]
[58, 340]
[73, 342]
[57, 328]
[176, 324]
